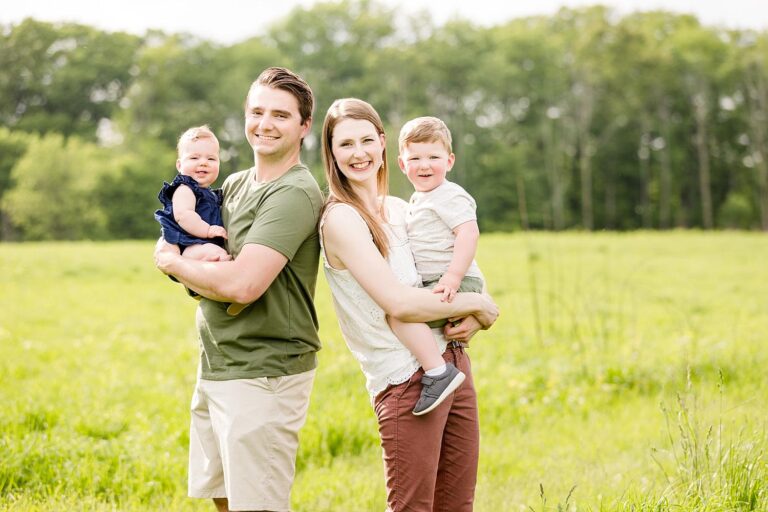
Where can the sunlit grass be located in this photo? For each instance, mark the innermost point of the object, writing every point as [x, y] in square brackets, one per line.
[587, 382]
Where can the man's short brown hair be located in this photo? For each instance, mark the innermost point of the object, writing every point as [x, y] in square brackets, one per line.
[287, 80]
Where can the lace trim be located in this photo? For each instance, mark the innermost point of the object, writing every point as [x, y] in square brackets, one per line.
[394, 380]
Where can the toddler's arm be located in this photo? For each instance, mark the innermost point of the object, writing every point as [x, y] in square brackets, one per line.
[185, 214]
[464, 248]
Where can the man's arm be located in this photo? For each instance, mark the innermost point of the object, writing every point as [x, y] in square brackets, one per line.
[242, 280]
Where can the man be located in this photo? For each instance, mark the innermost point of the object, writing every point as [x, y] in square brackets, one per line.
[257, 368]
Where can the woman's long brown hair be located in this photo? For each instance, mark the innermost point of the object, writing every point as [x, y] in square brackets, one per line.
[339, 187]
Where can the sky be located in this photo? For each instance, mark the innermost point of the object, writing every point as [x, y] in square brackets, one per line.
[229, 21]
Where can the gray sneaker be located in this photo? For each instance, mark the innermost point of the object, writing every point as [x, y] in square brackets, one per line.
[436, 389]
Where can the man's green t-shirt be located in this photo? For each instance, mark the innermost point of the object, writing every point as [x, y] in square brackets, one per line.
[277, 334]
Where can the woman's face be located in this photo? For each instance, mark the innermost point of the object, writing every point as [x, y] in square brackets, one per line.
[357, 149]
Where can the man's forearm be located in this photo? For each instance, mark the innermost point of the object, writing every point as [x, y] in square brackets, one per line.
[208, 278]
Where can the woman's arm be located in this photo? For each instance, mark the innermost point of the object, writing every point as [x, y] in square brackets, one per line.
[347, 241]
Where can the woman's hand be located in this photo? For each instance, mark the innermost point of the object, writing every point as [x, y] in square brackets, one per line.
[462, 329]
[488, 313]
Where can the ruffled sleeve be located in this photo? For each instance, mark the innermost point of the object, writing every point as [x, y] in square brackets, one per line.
[166, 193]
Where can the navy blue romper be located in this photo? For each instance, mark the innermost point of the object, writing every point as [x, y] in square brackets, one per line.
[207, 205]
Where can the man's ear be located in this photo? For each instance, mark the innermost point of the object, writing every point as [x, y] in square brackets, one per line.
[307, 127]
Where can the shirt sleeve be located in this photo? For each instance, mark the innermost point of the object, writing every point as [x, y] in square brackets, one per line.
[454, 206]
[285, 220]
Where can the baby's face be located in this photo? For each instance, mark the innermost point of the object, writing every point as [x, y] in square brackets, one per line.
[199, 159]
[425, 164]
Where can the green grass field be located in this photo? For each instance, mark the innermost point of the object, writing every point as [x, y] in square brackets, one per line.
[627, 372]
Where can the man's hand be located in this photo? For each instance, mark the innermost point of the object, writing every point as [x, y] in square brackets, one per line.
[462, 329]
[448, 285]
[165, 255]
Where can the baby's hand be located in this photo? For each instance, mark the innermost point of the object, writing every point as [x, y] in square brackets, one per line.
[214, 231]
[447, 286]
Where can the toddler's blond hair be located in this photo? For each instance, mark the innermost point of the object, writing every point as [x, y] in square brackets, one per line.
[425, 129]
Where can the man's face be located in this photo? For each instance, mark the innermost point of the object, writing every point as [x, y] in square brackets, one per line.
[273, 124]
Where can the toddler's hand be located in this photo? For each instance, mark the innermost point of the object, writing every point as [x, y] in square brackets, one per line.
[448, 286]
[214, 231]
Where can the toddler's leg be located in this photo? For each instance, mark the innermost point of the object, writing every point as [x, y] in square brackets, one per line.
[440, 378]
[418, 338]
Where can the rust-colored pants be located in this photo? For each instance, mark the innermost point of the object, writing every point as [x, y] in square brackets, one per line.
[430, 461]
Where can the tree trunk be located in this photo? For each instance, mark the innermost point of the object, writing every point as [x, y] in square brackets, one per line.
[585, 110]
[665, 175]
[644, 155]
[757, 92]
[522, 204]
[585, 170]
[702, 152]
[610, 205]
[555, 178]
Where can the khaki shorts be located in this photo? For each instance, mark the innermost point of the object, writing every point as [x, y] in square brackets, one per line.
[243, 439]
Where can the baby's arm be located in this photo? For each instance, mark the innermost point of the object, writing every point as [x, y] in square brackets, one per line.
[185, 214]
[464, 248]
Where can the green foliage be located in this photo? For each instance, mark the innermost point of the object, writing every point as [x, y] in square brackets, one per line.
[56, 190]
[12, 146]
[175, 78]
[62, 78]
[585, 119]
[133, 187]
[595, 332]
[708, 467]
[736, 212]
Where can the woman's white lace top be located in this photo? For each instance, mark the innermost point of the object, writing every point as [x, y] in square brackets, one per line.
[383, 359]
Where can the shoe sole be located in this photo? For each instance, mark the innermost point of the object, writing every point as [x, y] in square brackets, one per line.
[455, 383]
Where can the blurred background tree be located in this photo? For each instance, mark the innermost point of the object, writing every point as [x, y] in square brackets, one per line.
[580, 120]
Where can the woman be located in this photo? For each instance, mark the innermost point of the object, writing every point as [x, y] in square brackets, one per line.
[430, 461]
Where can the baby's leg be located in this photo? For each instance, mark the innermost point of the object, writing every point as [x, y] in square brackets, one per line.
[418, 338]
[206, 252]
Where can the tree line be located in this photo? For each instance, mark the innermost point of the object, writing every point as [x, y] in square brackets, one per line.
[579, 120]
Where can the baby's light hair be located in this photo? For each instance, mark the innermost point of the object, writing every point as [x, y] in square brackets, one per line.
[425, 129]
[194, 134]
